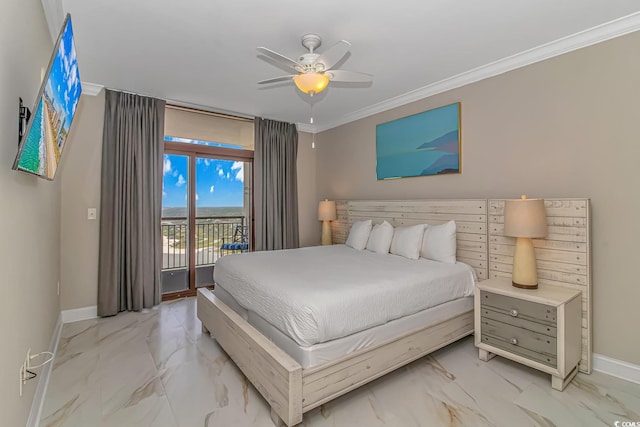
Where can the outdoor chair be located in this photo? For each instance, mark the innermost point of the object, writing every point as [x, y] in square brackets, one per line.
[239, 242]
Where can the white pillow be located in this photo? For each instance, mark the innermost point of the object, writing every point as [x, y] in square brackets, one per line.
[359, 234]
[380, 238]
[407, 240]
[439, 242]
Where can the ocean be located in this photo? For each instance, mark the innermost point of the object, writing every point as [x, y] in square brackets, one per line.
[30, 158]
[411, 163]
[206, 211]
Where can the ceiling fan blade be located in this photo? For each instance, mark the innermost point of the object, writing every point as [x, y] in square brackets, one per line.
[288, 62]
[277, 79]
[334, 54]
[349, 76]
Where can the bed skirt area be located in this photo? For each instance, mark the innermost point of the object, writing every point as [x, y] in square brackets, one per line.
[291, 390]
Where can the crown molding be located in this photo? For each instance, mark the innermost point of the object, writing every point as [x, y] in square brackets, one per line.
[616, 28]
[305, 127]
[91, 89]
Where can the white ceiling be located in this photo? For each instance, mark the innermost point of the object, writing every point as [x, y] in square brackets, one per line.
[203, 52]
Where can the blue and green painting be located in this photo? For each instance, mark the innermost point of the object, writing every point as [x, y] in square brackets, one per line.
[423, 144]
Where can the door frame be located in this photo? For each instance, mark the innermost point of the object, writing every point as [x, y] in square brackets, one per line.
[193, 151]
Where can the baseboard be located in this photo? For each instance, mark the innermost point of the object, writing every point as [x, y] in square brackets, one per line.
[616, 368]
[66, 316]
[78, 314]
[43, 383]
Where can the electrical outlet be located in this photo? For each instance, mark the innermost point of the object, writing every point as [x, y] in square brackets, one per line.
[91, 213]
[24, 375]
[27, 369]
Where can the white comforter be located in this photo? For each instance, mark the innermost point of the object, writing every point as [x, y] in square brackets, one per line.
[321, 293]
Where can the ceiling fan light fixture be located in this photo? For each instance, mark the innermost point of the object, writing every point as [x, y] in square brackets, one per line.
[311, 83]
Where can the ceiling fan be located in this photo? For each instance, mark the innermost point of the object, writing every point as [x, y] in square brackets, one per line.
[314, 70]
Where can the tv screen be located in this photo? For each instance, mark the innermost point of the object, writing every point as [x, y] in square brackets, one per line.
[46, 132]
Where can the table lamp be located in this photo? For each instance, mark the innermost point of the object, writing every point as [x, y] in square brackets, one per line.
[525, 219]
[326, 214]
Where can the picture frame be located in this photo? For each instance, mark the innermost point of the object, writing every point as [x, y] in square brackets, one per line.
[424, 144]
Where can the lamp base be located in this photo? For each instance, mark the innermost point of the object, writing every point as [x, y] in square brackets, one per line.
[518, 285]
[524, 274]
[326, 233]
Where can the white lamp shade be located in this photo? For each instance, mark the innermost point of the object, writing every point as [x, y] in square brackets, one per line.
[327, 210]
[525, 218]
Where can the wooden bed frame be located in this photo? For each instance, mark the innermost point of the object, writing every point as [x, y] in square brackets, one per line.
[291, 390]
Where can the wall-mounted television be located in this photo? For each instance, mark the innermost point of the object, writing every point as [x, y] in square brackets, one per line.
[41, 145]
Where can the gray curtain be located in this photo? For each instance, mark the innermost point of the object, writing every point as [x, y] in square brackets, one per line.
[276, 152]
[130, 257]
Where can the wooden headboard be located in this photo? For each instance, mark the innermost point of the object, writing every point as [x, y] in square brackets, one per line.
[563, 257]
[470, 216]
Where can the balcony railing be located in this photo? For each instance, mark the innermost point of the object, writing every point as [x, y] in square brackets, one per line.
[211, 233]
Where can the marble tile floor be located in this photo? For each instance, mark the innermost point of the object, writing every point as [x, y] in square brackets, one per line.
[157, 369]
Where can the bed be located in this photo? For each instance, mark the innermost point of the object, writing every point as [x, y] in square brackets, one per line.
[346, 358]
[321, 302]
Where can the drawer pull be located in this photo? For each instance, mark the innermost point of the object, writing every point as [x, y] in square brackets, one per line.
[514, 312]
[514, 341]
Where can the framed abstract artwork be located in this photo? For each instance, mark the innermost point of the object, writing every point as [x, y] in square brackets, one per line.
[426, 143]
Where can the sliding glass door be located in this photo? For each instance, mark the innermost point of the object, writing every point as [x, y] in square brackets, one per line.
[206, 213]
[175, 224]
[222, 213]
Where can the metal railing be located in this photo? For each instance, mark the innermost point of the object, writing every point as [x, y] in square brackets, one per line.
[211, 232]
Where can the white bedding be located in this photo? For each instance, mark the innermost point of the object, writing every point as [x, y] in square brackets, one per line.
[322, 293]
[317, 354]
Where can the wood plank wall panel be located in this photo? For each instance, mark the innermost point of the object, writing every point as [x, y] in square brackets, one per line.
[340, 227]
[470, 216]
[563, 257]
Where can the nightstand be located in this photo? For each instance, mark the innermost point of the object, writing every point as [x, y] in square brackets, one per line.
[539, 328]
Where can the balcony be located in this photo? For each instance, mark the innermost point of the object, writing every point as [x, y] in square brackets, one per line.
[211, 233]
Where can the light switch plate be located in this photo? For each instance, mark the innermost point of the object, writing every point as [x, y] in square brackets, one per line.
[91, 213]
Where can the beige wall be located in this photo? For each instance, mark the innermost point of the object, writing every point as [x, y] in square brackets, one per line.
[30, 214]
[80, 191]
[307, 199]
[564, 127]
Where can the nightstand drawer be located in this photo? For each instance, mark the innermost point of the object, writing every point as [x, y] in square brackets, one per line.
[519, 308]
[520, 351]
[539, 328]
[520, 322]
[519, 337]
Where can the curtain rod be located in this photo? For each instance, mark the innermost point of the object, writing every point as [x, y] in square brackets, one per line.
[175, 106]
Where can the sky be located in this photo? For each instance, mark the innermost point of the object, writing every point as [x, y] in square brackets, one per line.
[218, 182]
